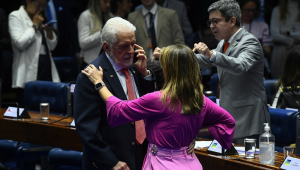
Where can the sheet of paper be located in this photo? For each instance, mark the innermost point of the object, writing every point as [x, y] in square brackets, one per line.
[202, 144]
[73, 123]
[12, 112]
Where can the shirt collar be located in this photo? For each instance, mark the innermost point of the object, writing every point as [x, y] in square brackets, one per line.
[152, 10]
[232, 37]
[115, 66]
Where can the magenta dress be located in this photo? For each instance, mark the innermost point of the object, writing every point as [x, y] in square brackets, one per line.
[169, 132]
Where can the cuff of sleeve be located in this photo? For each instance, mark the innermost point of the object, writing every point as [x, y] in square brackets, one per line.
[149, 77]
[213, 57]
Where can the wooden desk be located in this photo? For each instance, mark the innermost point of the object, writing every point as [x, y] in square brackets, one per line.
[235, 162]
[55, 132]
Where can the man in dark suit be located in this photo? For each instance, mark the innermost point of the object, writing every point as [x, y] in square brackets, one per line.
[106, 147]
[66, 26]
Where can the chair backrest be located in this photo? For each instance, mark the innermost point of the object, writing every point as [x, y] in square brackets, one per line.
[215, 83]
[56, 94]
[67, 68]
[283, 125]
[269, 85]
[298, 136]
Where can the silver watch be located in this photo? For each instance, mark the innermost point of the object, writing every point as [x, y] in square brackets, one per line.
[99, 85]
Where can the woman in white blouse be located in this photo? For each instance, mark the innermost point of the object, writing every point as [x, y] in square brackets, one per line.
[32, 42]
[90, 24]
[285, 31]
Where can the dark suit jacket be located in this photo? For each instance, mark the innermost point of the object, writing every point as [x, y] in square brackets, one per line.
[67, 30]
[105, 146]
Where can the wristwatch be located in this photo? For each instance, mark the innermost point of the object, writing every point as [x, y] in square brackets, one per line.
[35, 27]
[99, 85]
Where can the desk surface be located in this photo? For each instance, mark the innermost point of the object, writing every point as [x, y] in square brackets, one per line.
[56, 132]
[234, 162]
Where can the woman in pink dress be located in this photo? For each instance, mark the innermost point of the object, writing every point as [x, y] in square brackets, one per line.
[174, 115]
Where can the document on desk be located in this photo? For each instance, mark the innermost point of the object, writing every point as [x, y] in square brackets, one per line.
[202, 144]
[12, 112]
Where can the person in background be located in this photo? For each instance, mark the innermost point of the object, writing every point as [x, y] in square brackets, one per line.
[32, 42]
[290, 76]
[90, 24]
[180, 8]
[105, 147]
[239, 61]
[285, 31]
[66, 27]
[157, 26]
[250, 21]
[174, 115]
[121, 8]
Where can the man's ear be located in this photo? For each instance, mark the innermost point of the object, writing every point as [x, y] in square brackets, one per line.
[106, 47]
[232, 21]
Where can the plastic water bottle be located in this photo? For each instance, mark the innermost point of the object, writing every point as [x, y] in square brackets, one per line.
[267, 146]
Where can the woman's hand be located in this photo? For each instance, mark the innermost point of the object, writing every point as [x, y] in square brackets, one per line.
[49, 31]
[93, 73]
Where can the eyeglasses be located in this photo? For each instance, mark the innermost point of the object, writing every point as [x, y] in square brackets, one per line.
[214, 21]
[248, 11]
[38, 5]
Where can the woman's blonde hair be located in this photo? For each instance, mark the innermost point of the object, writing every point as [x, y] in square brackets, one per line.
[182, 79]
[96, 13]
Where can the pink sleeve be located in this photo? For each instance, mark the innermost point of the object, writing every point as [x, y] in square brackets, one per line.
[123, 111]
[220, 123]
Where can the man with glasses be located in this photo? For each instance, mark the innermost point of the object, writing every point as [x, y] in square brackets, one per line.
[239, 61]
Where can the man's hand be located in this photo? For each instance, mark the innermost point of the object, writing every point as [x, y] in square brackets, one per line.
[121, 166]
[202, 49]
[141, 64]
[191, 147]
[156, 53]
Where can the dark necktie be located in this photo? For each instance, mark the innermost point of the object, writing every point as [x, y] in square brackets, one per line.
[152, 31]
[140, 132]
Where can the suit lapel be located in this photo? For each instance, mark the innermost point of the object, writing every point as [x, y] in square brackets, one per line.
[111, 77]
[160, 15]
[231, 46]
[141, 20]
[235, 41]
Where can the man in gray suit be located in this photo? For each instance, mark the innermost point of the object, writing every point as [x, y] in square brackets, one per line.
[179, 7]
[240, 69]
[164, 21]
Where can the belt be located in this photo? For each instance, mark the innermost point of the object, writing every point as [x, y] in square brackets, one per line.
[160, 151]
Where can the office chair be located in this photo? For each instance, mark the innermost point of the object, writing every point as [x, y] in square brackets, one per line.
[269, 85]
[36, 92]
[65, 159]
